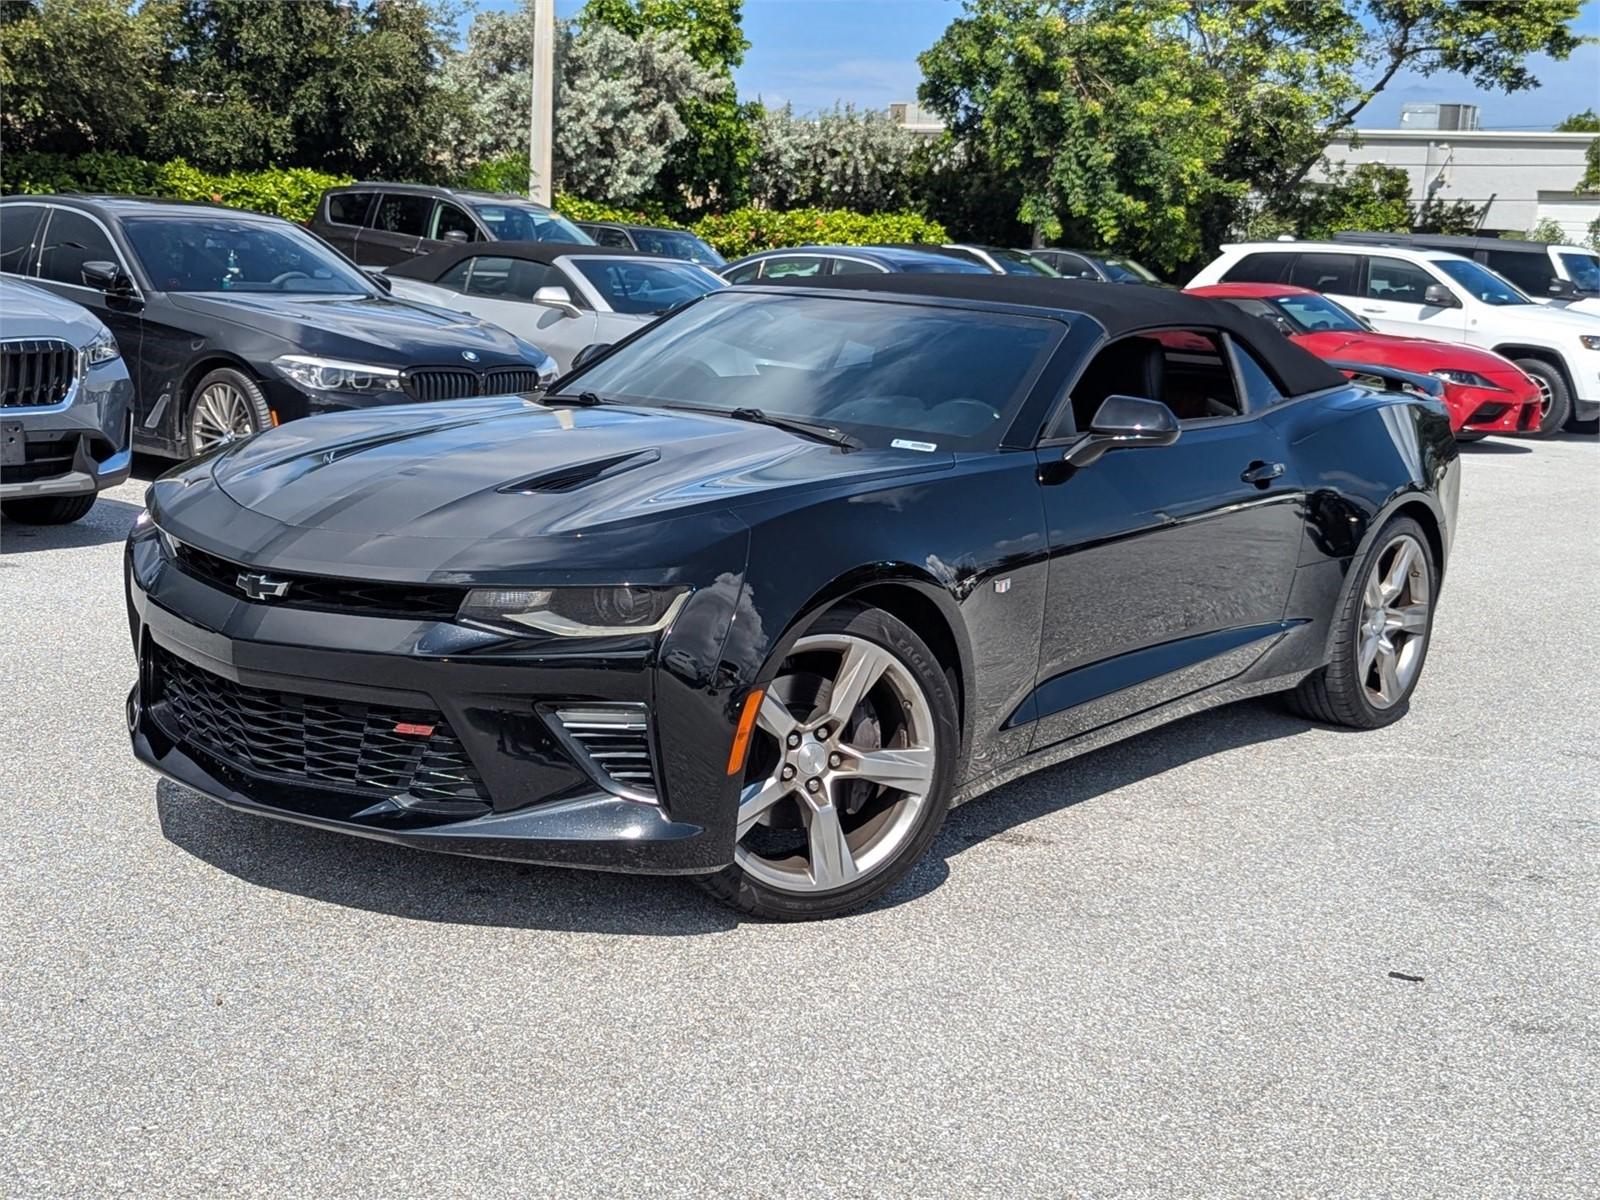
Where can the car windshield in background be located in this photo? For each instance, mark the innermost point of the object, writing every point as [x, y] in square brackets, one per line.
[1316, 314]
[633, 286]
[942, 264]
[524, 223]
[1015, 262]
[220, 254]
[1584, 269]
[941, 378]
[1481, 282]
[1125, 270]
[675, 243]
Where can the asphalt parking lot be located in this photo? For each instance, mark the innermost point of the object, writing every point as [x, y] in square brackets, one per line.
[1242, 955]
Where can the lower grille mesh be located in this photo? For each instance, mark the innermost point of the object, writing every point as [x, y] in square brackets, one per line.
[315, 739]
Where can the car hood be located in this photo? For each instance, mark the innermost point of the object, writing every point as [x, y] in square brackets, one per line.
[1406, 353]
[484, 480]
[393, 332]
[32, 312]
[1552, 319]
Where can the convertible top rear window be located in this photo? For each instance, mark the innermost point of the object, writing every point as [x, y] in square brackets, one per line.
[946, 378]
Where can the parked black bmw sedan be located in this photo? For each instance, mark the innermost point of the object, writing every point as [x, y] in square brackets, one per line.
[232, 322]
[773, 582]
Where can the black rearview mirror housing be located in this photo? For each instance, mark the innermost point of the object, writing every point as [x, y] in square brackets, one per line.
[1124, 423]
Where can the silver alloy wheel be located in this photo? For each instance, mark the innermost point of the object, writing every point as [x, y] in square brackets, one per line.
[1394, 622]
[817, 760]
[1545, 396]
[221, 415]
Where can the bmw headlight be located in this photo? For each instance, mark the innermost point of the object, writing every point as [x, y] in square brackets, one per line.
[101, 350]
[547, 372]
[1591, 341]
[1465, 378]
[574, 611]
[334, 375]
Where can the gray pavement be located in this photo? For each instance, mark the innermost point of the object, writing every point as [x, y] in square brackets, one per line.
[1160, 970]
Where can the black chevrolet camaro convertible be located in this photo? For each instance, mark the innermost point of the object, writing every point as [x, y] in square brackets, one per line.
[760, 592]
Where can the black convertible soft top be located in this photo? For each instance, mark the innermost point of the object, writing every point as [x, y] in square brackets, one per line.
[1120, 308]
[429, 267]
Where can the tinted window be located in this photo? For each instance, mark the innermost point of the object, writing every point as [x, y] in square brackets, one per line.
[403, 214]
[1185, 369]
[349, 208]
[605, 236]
[793, 266]
[1125, 270]
[1396, 280]
[950, 378]
[1530, 272]
[511, 222]
[19, 224]
[1584, 269]
[1325, 273]
[70, 240]
[456, 277]
[633, 286]
[676, 243]
[1313, 314]
[1258, 268]
[1014, 262]
[224, 254]
[854, 266]
[502, 278]
[942, 264]
[1259, 390]
[744, 274]
[451, 219]
[1481, 282]
[1072, 265]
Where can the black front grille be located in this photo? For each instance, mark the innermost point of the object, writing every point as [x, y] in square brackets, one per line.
[508, 380]
[416, 602]
[312, 739]
[428, 384]
[1487, 412]
[36, 372]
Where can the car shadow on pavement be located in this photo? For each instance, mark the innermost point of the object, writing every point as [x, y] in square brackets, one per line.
[1495, 446]
[108, 521]
[403, 882]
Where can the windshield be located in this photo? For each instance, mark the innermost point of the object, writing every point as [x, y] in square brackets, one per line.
[510, 222]
[224, 254]
[1317, 314]
[1015, 262]
[941, 378]
[631, 285]
[676, 243]
[1125, 270]
[940, 264]
[1481, 282]
[1584, 269]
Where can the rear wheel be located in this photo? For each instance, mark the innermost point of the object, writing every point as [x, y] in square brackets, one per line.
[227, 405]
[849, 774]
[1555, 402]
[48, 510]
[1380, 635]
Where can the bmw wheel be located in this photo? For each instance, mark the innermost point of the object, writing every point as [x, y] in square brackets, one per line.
[227, 405]
[849, 773]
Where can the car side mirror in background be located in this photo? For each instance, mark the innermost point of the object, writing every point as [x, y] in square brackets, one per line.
[456, 237]
[589, 353]
[1562, 289]
[106, 276]
[1436, 295]
[1122, 423]
[379, 278]
[558, 298]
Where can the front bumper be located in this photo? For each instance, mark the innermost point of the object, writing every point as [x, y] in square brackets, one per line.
[540, 802]
[80, 446]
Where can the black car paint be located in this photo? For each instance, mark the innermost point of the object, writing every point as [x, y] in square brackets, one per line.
[1070, 606]
[170, 340]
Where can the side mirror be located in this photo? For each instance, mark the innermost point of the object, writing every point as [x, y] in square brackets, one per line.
[1436, 295]
[106, 276]
[589, 353]
[1122, 423]
[558, 298]
[456, 237]
[1563, 289]
[378, 277]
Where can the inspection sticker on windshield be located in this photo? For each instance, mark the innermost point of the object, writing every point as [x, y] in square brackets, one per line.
[925, 447]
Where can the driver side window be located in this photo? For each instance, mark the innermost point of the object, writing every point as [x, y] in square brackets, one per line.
[1186, 369]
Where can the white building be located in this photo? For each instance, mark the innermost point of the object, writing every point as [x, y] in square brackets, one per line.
[1522, 177]
[913, 118]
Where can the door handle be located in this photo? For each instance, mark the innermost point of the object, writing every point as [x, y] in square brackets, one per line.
[1261, 473]
[1372, 310]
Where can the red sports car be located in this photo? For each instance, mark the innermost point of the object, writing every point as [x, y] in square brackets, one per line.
[1484, 392]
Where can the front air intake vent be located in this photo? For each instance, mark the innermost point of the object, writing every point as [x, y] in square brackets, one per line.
[611, 742]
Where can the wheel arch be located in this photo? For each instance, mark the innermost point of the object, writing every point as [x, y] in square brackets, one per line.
[1544, 354]
[203, 365]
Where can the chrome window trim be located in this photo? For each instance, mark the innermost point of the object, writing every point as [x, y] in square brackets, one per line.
[138, 292]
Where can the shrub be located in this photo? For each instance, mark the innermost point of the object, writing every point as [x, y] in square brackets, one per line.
[747, 230]
[576, 209]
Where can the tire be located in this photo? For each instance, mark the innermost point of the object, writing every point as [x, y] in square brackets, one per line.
[1341, 692]
[1556, 405]
[48, 510]
[224, 407]
[902, 724]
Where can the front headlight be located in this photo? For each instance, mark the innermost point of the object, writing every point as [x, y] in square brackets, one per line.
[574, 611]
[1465, 378]
[1591, 341]
[547, 372]
[102, 349]
[333, 375]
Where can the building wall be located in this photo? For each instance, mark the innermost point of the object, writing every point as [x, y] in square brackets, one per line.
[1523, 177]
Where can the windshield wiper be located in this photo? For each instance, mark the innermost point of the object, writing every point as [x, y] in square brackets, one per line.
[758, 416]
[580, 400]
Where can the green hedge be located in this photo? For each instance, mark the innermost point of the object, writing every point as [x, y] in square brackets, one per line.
[746, 230]
[576, 209]
[290, 192]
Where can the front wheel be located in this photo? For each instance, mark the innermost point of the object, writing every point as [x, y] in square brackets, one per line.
[227, 405]
[1555, 402]
[850, 772]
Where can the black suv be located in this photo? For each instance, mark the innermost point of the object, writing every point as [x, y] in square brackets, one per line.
[380, 224]
[1559, 272]
[231, 321]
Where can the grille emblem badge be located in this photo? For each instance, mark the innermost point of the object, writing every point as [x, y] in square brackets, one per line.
[470, 355]
[259, 586]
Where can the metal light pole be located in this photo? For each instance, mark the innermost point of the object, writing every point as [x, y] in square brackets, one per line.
[541, 101]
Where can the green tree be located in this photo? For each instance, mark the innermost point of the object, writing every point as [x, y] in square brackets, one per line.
[1587, 121]
[843, 158]
[79, 75]
[709, 167]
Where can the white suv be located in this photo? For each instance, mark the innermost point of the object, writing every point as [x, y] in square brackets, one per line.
[1431, 294]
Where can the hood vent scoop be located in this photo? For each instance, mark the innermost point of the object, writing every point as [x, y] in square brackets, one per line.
[572, 476]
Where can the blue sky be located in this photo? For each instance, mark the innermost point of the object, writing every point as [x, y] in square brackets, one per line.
[812, 53]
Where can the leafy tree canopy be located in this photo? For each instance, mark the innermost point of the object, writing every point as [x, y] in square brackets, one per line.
[843, 158]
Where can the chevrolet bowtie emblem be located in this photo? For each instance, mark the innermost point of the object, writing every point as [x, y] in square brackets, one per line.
[261, 587]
